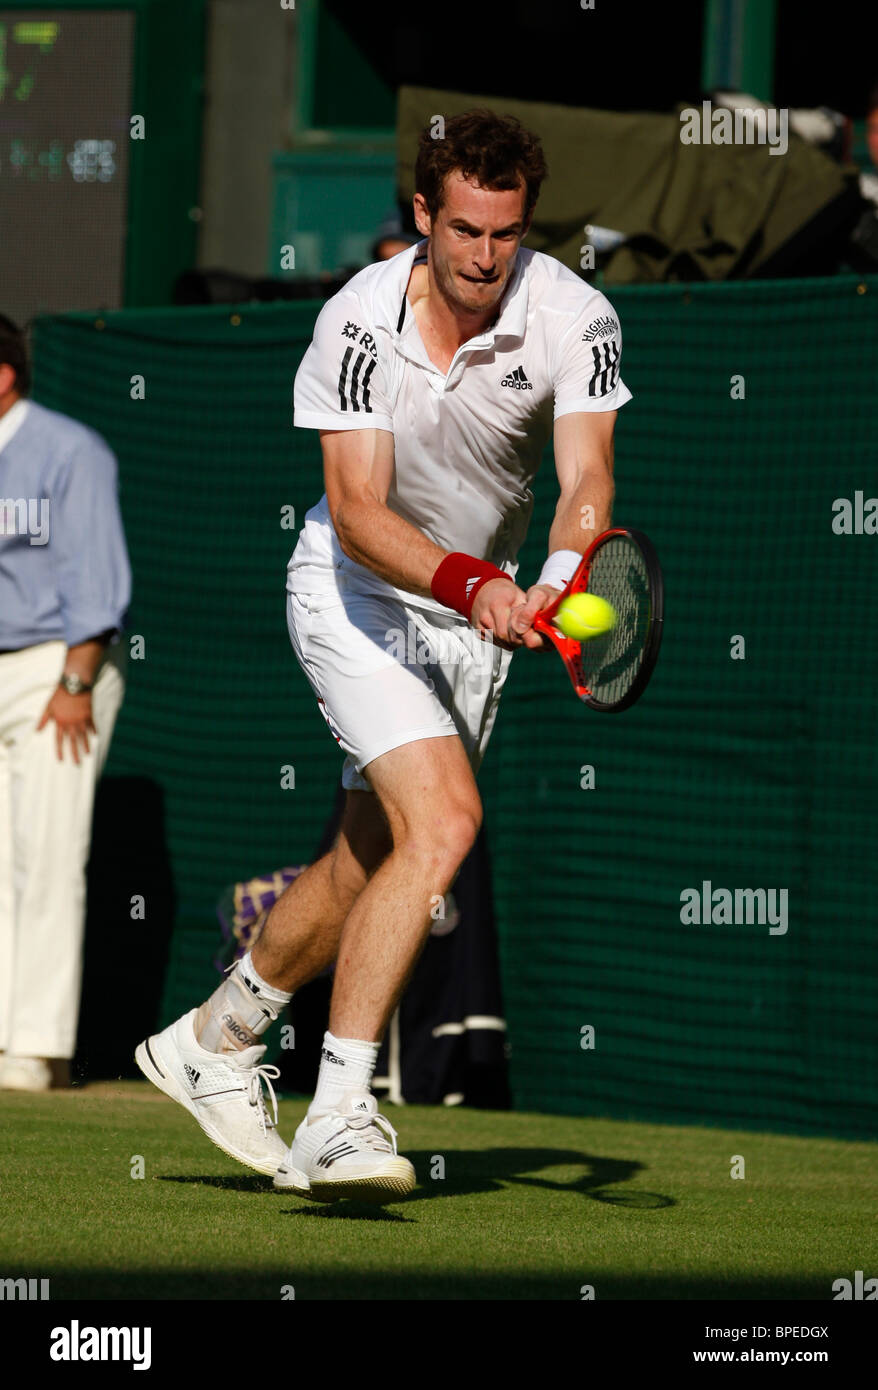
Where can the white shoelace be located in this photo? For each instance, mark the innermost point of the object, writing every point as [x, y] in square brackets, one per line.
[255, 1077]
[364, 1122]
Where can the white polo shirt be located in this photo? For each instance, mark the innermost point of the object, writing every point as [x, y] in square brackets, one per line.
[467, 444]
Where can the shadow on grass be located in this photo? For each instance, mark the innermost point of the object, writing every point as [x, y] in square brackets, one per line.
[233, 1183]
[473, 1172]
[346, 1210]
[352, 1211]
[491, 1170]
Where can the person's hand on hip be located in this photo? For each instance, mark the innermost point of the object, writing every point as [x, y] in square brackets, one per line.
[73, 720]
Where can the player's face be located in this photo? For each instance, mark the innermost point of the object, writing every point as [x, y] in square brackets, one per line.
[474, 240]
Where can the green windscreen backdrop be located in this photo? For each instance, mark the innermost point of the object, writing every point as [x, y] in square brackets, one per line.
[750, 763]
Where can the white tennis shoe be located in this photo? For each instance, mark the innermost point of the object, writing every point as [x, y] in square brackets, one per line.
[223, 1091]
[350, 1152]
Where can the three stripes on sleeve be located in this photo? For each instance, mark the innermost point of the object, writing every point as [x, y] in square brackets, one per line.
[606, 370]
[353, 382]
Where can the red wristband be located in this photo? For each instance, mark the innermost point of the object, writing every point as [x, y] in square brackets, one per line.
[459, 578]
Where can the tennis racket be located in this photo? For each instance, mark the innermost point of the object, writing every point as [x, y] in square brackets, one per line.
[610, 672]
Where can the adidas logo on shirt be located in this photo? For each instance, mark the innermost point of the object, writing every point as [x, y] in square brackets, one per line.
[192, 1075]
[517, 380]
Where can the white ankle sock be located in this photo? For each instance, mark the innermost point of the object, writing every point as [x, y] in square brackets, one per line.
[346, 1064]
[255, 982]
[239, 1011]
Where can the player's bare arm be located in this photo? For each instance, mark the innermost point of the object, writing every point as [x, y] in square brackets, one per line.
[583, 446]
[358, 469]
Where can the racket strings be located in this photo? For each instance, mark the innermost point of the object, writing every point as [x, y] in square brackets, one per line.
[611, 662]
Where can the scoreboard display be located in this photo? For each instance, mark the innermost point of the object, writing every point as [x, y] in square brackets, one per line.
[65, 109]
[100, 146]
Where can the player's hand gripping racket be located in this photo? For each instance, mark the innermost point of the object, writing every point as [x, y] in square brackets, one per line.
[609, 672]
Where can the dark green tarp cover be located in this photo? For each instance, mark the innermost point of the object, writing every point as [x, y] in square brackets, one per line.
[691, 211]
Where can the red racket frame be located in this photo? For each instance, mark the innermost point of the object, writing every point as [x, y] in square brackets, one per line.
[571, 651]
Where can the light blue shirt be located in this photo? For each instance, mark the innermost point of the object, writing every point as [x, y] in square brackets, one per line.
[64, 571]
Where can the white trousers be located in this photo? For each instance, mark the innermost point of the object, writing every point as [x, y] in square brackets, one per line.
[45, 834]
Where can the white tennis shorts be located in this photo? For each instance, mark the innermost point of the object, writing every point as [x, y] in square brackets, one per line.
[386, 674]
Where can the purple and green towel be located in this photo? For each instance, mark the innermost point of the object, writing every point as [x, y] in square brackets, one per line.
[242, 911]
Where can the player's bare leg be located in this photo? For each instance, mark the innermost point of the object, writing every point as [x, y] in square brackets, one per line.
[429, 795]
[210, 1060]
[303, 929]
[432, 804]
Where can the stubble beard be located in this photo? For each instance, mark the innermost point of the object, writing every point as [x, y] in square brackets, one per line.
[449, 287]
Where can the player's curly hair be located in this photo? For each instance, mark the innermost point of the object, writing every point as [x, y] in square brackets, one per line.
[494, 151]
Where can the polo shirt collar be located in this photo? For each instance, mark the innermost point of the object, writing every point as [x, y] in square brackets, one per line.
[513, 310]
[12, 420]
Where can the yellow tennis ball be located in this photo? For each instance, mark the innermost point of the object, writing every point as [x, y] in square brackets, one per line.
[582, 616]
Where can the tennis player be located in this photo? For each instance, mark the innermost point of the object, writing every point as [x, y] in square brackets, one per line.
[435, 380]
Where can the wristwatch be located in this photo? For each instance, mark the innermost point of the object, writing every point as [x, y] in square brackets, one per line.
[74, 685]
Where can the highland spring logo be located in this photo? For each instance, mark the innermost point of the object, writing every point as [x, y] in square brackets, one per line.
[736, 907]
[746, 126]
